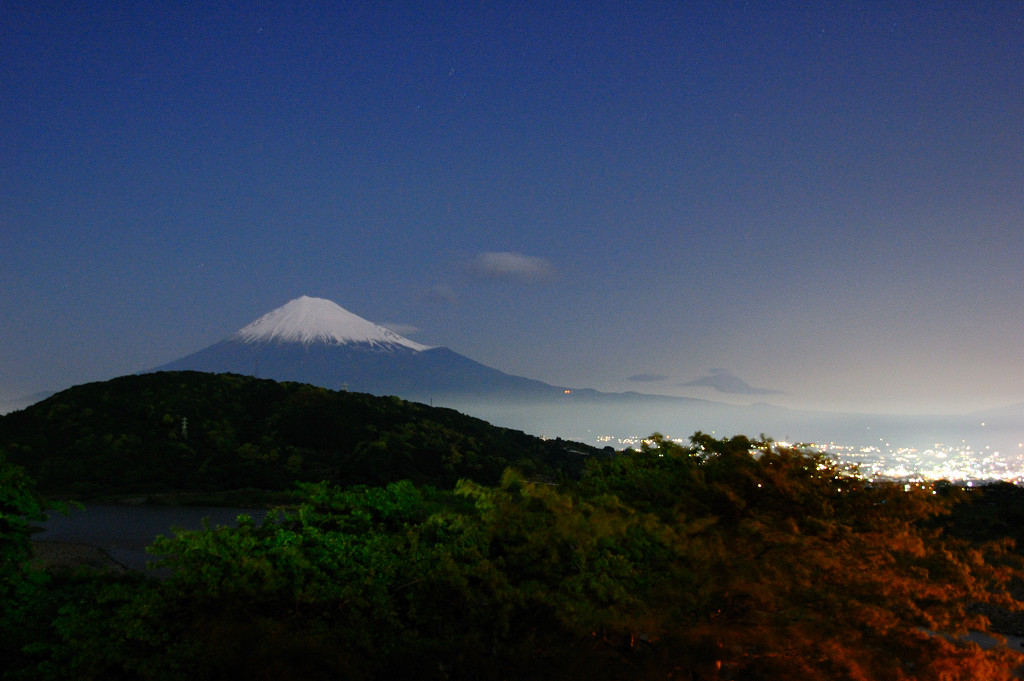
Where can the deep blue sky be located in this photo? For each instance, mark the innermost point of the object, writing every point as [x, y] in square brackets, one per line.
[823, 202]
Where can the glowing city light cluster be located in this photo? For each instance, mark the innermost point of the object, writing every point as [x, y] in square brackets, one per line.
[961, 463]
[956, 463]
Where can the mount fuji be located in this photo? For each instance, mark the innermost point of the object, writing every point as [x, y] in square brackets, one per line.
[316, 341]
[313, 340]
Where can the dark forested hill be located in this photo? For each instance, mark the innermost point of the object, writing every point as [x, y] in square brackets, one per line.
[198, 432]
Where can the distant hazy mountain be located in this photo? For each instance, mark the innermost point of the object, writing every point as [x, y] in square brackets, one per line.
[10, 404]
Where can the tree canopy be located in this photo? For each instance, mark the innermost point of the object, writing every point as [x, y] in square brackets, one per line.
[723, 559]
[195, 432]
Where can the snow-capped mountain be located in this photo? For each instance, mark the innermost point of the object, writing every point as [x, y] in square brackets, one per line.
[317, 320]
[313, 340]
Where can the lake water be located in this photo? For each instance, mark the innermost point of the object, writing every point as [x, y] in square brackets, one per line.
[124, 532]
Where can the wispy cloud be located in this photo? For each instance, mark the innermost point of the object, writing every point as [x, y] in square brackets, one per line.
[513, 267]
[440, 293]
[647, 378]
[400, 328]
[724, 381]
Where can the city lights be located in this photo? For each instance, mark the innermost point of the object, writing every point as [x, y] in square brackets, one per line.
[961, 463]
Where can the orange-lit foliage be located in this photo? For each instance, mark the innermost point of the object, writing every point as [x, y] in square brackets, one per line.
[811, 572]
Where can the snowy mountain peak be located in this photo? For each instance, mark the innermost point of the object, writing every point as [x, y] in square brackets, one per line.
[316, 320]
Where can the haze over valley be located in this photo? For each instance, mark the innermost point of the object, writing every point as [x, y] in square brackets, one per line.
[317, 341]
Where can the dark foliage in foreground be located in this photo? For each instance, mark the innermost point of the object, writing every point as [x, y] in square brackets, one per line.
[726, 559]
[189, 431]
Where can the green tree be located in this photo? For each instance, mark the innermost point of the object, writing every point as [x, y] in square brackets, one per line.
[19, 504]
[356, 583]
[20, 586]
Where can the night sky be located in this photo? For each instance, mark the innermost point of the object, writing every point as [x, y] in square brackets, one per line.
[743, 201]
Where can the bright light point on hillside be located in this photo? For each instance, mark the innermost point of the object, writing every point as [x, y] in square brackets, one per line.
[568, 392]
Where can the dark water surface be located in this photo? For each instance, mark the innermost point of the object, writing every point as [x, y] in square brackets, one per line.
[124, 532]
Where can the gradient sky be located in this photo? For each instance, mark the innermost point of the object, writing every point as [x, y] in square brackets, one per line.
[824, 205]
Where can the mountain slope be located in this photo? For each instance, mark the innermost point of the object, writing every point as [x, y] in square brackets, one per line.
[362, 367]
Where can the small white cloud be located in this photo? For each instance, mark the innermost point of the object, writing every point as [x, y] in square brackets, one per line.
[647, 378]
[514, 267]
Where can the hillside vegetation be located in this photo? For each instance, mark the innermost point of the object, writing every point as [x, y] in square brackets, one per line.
[194, 432]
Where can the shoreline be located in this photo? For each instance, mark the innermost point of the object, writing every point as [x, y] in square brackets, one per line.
[73, 555]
